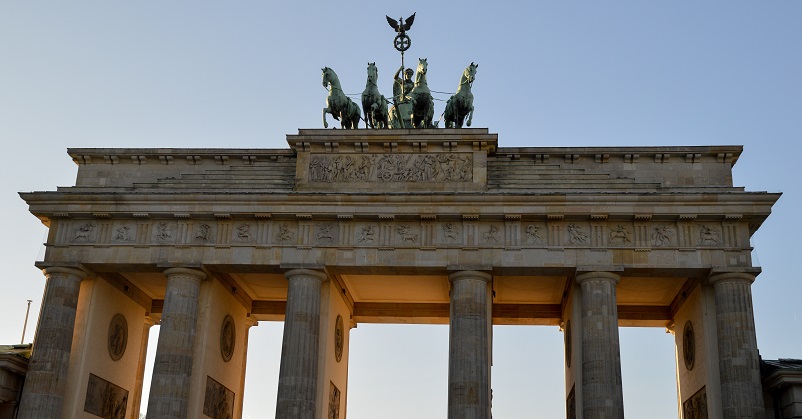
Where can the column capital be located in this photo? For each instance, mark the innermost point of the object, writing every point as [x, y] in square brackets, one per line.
[51, 270]
[186, 271]
[149, 322]
[454, 276]
[739, 277]
[598, 276]
[250, 321]
[310, 273]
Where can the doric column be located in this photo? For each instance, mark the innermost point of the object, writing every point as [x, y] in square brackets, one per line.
[297, 381]
[602, 394]
[140, 371]
[172, 369]
[739, 364]
[45, 382]
[469, 346]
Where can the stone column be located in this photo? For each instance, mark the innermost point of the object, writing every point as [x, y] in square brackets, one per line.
[297, 381]
[136, 400]
[45, 382]
[172, 369]
[469, 346]
[602, 394]
[739, 363]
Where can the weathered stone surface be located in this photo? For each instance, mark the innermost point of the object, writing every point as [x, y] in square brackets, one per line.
[172, 369]
[45, 382]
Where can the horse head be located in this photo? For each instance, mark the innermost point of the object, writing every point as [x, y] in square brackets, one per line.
[326, 78]
[423, 65]
[470, 72]
[373, 73]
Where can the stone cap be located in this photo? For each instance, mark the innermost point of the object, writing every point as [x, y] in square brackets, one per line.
[393, 141]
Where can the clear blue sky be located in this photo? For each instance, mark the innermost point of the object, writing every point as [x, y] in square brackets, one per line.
[572, 73]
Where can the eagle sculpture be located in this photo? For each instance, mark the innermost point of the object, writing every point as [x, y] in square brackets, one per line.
[400, 25]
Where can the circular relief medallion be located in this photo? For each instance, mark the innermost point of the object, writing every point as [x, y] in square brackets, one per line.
[339, 338]
[118, 336]
[227, 335]
[568, 343]
[688, 345]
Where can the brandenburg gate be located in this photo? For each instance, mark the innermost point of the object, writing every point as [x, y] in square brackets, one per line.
[390, 226]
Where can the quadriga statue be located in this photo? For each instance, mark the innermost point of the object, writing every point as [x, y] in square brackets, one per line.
[338, 104]
[461, 104]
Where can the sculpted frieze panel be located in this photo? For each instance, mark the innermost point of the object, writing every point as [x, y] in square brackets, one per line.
[663, 235]
[533, 235]
[577, 234]
[366, 234]
[492, 235]
[124, 233]
[84, 233]
[709, 235]
[451, 233]
[164, 232]
[242, 233]
[105, 399]
[326, 233]
[620, 235]
[443, 167]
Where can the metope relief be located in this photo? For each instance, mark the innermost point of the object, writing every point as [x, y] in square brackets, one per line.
[242, 234]
[164, 232]
[406, 234]
[203, 233]
[492, 235]
[532, 234]
[450, 233]
[663, 235]
[450, 167]
[576, 234]
[118, 337]
[620, 235]
[284, 234]
[709, 236]
[325, 233]
[366, 235]
[84, 233]
[124, 234]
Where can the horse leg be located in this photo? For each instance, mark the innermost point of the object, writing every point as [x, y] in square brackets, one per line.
[470, 116]
[325, 124]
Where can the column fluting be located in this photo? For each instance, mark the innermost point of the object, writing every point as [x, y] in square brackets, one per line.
[602, 393]
[45, 382]
[172, 369]
[469, 346]
[739, 361]
[297, 382]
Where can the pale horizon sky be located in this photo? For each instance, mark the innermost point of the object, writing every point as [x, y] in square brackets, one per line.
[551, 73]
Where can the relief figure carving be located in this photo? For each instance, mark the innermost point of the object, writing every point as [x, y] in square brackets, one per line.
[695, 407]
[532, 234]
[662, 236]
[708, 236]
[203, 232]
[123, 234]
[576, 235]
[451, 167]
[163, 231]
[324, 233]
[407, 235]
[284, 234]
[367, 235]
[83, 234]
[244, 233]
[491, 235]
[620, 235]
[218, 403]
[450, 233]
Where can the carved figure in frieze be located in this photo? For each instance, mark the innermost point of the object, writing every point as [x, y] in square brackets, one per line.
[695, 407]
[532, 234]
[708, 236]
[450, 167]
[123, 234]
[407, 235]
[576, 235]
[244, 232]
[491, 235]
[83, 234]
[284, 234]
[620, 235]
[202, 232]
[663, 236]
[218, 401]
[367, 235]
[163, 232]
[450, 233]
[324, 233]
